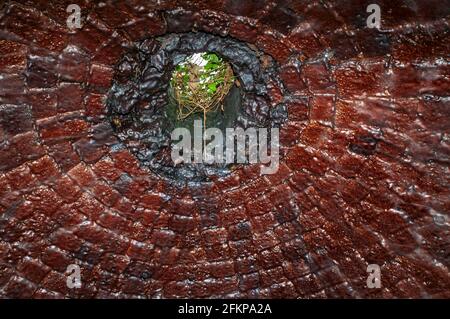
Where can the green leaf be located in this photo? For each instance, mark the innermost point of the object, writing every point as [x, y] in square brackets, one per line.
[210, 66]
[212, 87]
[214, 58]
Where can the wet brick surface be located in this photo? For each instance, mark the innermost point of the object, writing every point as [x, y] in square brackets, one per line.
[363, 175]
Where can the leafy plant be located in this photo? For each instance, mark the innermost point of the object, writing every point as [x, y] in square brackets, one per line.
[200, 84]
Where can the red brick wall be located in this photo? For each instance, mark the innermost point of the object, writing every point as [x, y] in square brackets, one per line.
[363, 177]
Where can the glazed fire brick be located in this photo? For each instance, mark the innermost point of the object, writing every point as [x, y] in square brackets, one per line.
[92, 205]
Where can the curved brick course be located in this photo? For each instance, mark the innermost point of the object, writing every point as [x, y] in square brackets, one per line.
[363, 177]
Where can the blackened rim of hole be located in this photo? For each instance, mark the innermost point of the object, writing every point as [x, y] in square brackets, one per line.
[138, 98]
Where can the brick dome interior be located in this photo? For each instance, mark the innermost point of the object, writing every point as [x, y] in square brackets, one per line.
[364, 157]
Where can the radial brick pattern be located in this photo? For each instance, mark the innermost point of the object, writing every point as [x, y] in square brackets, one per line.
[363, 177]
